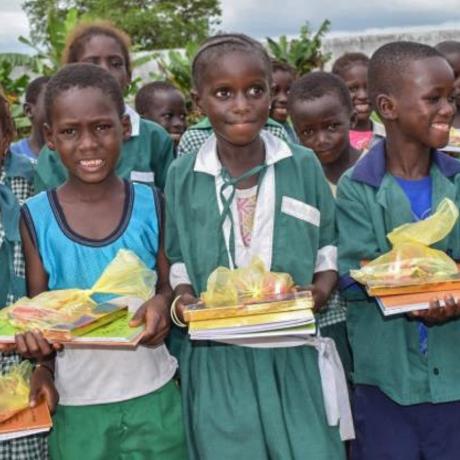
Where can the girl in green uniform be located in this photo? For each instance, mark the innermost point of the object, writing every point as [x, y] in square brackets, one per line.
[148, 151]
[247, 193]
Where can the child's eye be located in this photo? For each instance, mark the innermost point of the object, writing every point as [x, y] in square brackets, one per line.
[333, 127]
[434, 99]
[308, 132]
[102, 127]
[223, 93]
[167, 116]
[256, 91]
[353, 89]
[69, 132]
[117, 63]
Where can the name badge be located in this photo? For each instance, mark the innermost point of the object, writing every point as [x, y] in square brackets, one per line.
[142, 176]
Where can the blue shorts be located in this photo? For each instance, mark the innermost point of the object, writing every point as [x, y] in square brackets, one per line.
[386, 430]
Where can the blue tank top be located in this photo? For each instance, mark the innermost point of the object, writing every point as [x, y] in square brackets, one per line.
[73, 261]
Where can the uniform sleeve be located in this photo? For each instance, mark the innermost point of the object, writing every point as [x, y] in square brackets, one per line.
[50, 172]
[162, 155]
[326, 258]
[357, 240]
[184, 144]
[178, 271]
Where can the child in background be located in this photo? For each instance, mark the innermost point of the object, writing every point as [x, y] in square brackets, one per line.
[242, 401]
[148, 151]
[322, 114]
[31, 146]
[283, 76]
[164, 104]
[16, 174]
[113, 403]
[406, 396]
[451, 51]
[352, 69]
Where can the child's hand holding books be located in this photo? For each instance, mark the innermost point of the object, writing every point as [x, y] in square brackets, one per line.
[154, 314]
[440, 311]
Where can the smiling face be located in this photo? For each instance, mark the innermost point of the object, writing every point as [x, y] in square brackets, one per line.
[322, 124]
[424, 104]
[235, 95]
[106, 52]
[86, 129]
[355, 77]
[167, 108]
[282, 81]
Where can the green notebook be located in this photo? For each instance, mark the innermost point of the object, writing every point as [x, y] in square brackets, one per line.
[115, 333]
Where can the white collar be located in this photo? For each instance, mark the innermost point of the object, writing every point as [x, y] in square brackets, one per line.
[135, 120]
[208, 162]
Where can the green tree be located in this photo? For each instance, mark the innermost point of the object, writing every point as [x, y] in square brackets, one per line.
[303, 53]
[152, 24]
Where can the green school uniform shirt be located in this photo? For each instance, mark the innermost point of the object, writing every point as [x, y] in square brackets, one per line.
[294, 201]
[145, 157]
[15, 187]
[194, 137]
[236, 398]
[370, 203]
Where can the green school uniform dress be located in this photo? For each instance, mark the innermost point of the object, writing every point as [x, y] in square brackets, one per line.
[242, 402]
[195, 136]
[386, 353]
[15, 187]
[145, 157]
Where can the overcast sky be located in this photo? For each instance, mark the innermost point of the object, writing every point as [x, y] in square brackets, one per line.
[261, 18]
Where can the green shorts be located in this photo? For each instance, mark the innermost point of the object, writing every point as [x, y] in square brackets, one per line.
[147, 427]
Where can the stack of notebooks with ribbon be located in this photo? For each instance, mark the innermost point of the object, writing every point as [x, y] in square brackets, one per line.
[250, 303]
[102, 325]
[412, 274]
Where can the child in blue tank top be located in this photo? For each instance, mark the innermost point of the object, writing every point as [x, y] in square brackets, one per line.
[70, 234]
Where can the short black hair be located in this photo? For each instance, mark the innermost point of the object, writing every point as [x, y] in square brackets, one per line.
[347, 60]
[283, 67]
[83, 76]
[317, 84]
[448, 47]
[389, 63]
[221, 44]
[34, 89]
[144, 97]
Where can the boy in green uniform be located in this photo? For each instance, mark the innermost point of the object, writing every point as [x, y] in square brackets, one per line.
[247, 193]
[406, 373]
[148, 150]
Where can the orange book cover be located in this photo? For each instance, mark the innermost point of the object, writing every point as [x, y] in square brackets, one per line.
[404, 303]
[29, 421]
[286, 302]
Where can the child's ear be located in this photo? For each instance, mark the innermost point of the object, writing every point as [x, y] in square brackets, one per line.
[196, 99]
[386, 106]
[126, 127]
[27, 109]
[47, 131]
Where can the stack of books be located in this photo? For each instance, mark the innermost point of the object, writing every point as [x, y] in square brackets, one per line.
[404, 298]
[26, 422]
[283, 315]
[107, 325]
